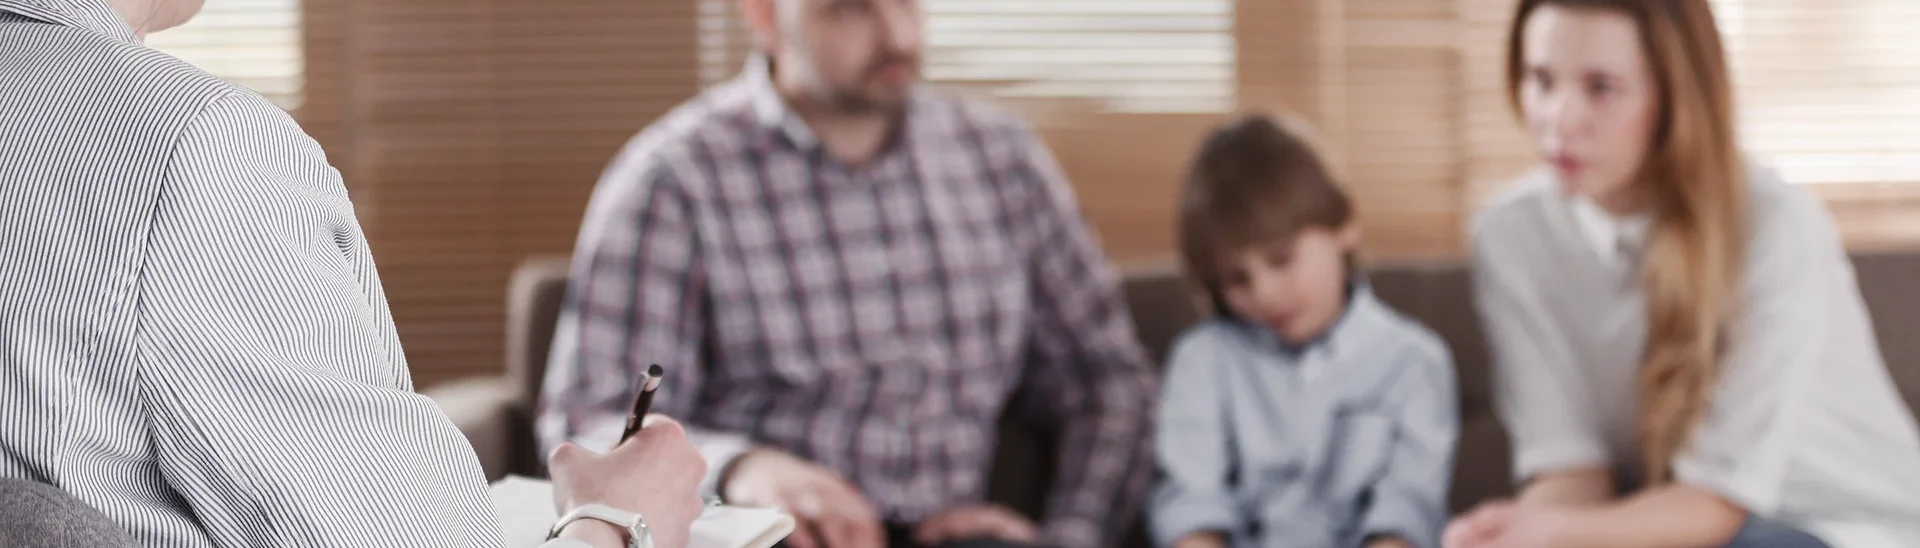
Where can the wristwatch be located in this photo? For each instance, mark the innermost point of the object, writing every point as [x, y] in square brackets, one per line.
[636, 527]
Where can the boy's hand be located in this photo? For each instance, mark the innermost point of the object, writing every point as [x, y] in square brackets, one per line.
[1389, 542]
[1202, 540]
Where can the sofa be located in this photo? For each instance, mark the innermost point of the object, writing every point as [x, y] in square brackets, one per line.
[495, 413]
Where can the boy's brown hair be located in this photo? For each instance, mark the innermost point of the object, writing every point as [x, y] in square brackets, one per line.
[1252, 183]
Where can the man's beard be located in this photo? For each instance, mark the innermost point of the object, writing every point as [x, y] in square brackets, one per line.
[854, 100]
[857, 102]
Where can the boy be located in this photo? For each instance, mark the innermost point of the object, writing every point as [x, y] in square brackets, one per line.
[1305, 412]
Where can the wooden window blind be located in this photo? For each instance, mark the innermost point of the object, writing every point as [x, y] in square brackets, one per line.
[1829, 92]
[255, 43]
[1120, 89]
[1115, 56]
[1381, 82]
[1397, 72]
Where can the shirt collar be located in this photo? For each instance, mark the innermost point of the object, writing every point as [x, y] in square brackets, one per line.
[93, 15]
[772, 113]
[770, 110]
[1616, 239]
[1362, 312]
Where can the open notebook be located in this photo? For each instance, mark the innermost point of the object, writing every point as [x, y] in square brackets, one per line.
[526, 510]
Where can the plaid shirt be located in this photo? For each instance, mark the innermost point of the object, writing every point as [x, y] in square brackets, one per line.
[873, 320]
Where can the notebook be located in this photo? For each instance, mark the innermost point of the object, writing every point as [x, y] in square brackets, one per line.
[526, 511]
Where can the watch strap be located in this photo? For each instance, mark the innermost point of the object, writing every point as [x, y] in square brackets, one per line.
[638, 536]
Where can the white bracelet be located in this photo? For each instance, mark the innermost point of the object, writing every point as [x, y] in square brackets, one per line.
[638, 536]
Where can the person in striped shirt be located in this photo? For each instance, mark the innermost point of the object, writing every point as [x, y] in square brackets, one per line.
[846, 274]
[193, 338]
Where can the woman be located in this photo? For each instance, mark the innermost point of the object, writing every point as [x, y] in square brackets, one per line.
[193, 339]
[1670, 322]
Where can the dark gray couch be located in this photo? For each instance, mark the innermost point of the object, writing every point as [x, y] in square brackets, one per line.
[495, 412]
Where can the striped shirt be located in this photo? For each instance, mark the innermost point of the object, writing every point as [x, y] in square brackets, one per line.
[871, 319]
[192, 336]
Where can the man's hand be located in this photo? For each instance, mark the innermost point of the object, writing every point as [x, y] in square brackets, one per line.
[1201, 540]
[974, 522]
[655, 473]
[832, 513]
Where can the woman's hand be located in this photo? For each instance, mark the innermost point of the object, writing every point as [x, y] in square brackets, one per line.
[1504, 524]
[1480, 527]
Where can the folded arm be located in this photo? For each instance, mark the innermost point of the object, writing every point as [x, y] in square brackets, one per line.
[1409, 502]
[1193, 450]
[1736, 462]
[1673, 516]
[1572, 487]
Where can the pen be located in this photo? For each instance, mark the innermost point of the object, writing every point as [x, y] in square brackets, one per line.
[644, 402]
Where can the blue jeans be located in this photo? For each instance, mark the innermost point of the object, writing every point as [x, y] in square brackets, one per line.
[1764, 533]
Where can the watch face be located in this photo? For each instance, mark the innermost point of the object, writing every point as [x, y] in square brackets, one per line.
[638, 536]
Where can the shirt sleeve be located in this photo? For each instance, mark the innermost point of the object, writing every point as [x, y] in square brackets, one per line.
[1092, 373]
[1541, 399]
[281, 409]
[634, 299]
[1794, 263]
[1410, 500]
[1193, 449]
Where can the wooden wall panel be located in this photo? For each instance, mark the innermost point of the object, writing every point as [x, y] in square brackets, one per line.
[472, 131]
[1126, 171]
[1497, 150]
[1379, 80]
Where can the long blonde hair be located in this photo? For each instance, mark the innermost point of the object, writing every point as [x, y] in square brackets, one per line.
[1692, 268]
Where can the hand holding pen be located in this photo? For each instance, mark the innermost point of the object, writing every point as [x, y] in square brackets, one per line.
[658, 456]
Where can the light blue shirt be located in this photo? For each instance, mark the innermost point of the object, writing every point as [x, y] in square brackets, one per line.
[1319, 446]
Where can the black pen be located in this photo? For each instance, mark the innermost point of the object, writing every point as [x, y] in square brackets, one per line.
[643, 402]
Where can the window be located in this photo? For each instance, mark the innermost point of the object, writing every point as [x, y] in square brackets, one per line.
[1102, 56]
[254, 43]
[1124, 56]
[1829, 92]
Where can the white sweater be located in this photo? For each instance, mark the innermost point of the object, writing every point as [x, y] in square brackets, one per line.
[1806, 425]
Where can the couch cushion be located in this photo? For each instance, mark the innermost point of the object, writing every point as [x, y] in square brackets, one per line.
[535, 296]
[1437, 293]
[1887, 282]
[34, 514]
